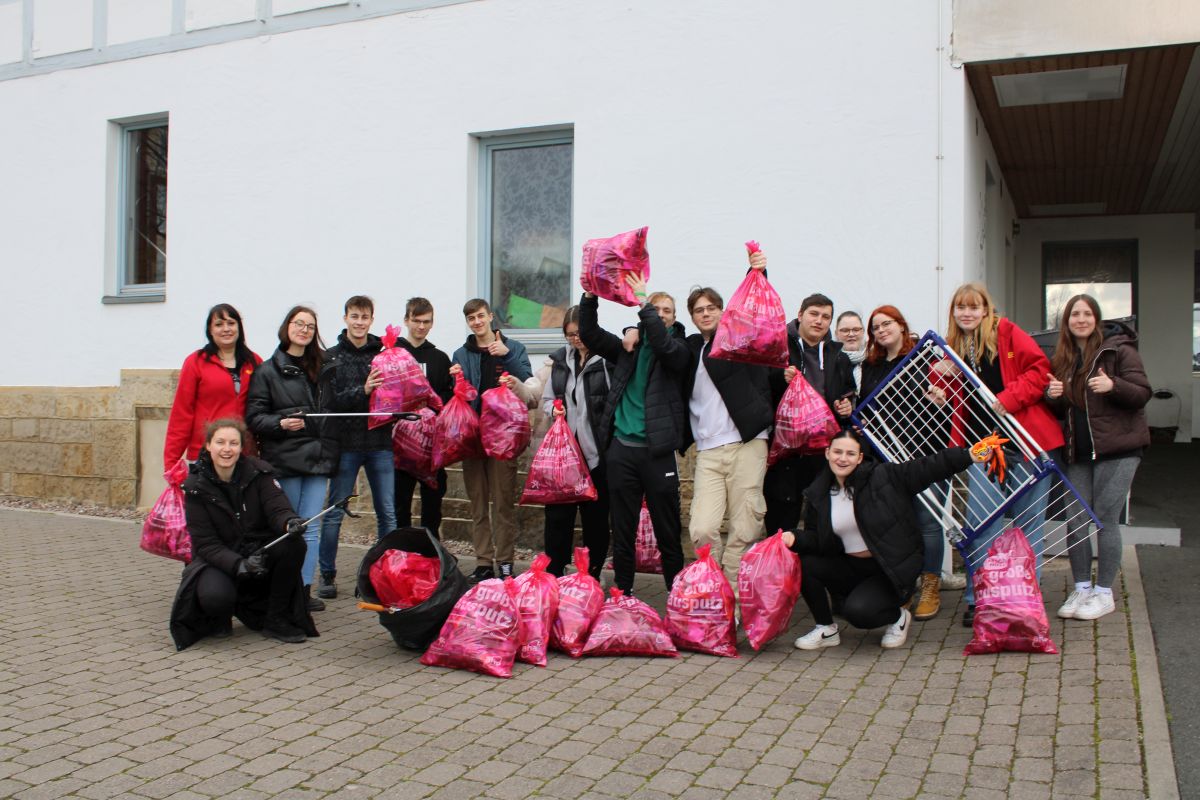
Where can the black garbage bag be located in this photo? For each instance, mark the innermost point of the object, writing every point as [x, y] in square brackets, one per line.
[414, 628]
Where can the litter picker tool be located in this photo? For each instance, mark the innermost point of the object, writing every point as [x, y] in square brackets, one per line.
[406, 416]
[343, 504]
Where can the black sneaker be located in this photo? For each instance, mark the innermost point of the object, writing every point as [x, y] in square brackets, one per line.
[481, 573]
[506, 569]
[282, 631]
[326, 588]
[968, 620]
[223, 630]
[313, 603]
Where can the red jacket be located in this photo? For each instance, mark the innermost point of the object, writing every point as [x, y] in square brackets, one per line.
[205, 393]
[1025, 371]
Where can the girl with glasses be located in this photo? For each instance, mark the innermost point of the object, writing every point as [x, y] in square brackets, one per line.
[295, 381]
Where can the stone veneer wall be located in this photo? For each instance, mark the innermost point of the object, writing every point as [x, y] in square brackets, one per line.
[82, 445]
[79, 444]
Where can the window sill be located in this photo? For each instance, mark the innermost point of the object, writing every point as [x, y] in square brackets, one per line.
[122, 299]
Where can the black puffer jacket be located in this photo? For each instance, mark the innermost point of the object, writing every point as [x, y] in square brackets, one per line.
[883, 508]
[277, 389]
[745, 388]
[224, 532]
[228, 522]
[666, 414]
[594, 377]
[351, 366]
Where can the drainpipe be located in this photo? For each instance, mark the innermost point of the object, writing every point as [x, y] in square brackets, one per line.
[939, 267]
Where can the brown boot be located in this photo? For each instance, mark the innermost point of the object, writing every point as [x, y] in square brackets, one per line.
[929, 601]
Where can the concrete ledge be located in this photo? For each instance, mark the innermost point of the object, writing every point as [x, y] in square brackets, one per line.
[1159, 757]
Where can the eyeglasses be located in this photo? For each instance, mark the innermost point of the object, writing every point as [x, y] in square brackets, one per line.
[849, 331]
[705, 309]
[574, 335]
[304, 326]
[882, 326]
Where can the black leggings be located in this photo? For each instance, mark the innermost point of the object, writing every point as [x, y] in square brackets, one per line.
[871, 599]
[560, 528]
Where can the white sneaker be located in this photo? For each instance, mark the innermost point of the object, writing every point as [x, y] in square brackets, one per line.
[897, 633]
[953, 580]
[1075, 599]
[820, 636]
[1096, 606]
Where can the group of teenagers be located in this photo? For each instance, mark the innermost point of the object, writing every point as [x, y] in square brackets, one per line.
[636, 400]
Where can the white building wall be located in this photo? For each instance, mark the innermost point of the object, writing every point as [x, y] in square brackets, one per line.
[312, 165]
[987, 211]
[1164, 291]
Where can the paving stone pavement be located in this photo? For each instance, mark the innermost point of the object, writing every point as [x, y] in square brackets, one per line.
[96, 703]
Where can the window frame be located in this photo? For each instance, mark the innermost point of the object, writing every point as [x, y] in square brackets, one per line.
[536, 340]
[123, 290]
[1133, 244]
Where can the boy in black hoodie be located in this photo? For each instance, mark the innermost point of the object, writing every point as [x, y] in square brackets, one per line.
[814, 355]
[418, 321]
[361, 447]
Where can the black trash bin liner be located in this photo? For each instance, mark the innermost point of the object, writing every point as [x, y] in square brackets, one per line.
[414, 628]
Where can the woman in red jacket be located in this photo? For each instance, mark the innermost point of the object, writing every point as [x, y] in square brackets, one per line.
[212, 384]
[1010, 363]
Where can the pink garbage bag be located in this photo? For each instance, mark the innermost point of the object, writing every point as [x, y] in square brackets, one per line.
[579, 601]
[753, 327]
[646, 555]
[456, 432]
[606, 262]
[164, 533]
[504, 429]
[412, 447]
[402, 579]
[804, 425]
[537, 603]
[626, 626]
[1009, 612]
[558, 472]
[700, 608]
[404, 388]
[768, 587]
[482, 631]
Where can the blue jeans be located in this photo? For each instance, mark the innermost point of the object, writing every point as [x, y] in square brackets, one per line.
[1029, 513]
[931, 531]
[381, 477]
[306, 493]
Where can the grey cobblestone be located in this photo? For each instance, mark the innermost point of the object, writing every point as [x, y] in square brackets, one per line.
[108, 709]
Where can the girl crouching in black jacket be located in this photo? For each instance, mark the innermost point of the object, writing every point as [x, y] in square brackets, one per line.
[861, 540]
[234, 506]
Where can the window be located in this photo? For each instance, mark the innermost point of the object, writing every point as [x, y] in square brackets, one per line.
[142, 239]
[1105, 270]
[525, 235]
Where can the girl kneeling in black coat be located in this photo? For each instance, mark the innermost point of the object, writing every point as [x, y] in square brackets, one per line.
[861, 540]
[234, 506]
